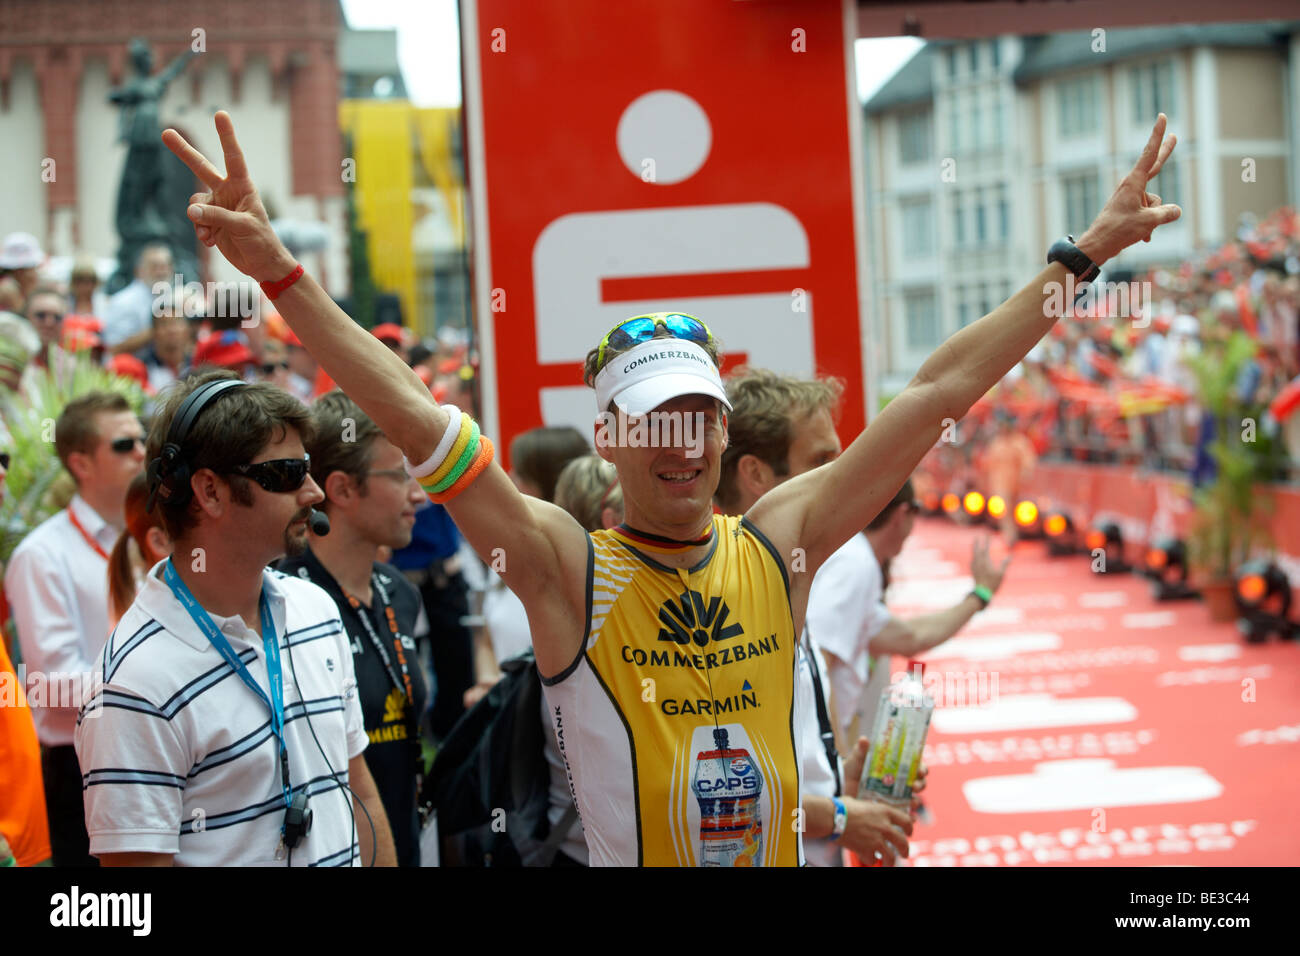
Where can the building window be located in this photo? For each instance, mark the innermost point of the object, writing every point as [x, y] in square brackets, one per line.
[965, 309]
[1153, 91]
[981, 218]
[1076, 112]
[1168, 185]
[1082, 200]
[1004, 213]
[959, 219]
[914, 137]
[954, 126]
[974, 51]
[996, 132]
[994, 54]
[986, 301]
[918, 227]
[952, 62]
[976, 126]
[922, 320]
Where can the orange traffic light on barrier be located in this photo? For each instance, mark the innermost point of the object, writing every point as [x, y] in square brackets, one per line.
[997, 507]
[1055, 526]
[973, 503]
[951, 503]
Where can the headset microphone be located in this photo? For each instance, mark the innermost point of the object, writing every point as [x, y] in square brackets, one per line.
[320, 523]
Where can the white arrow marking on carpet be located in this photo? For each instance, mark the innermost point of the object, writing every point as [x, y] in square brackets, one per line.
[1209, 652]
[1086, 784]
[1149, 620]
[994, 648]
[1032, 712]
[1103, 599]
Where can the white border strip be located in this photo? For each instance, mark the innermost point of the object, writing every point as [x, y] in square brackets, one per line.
[866, 336]
[479, 235]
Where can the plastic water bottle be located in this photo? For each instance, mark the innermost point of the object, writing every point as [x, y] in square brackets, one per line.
[727, 783]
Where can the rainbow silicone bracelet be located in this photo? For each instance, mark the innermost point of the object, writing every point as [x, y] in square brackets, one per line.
[449, 436]
[486, 452]
[462, 464]
[453, 455]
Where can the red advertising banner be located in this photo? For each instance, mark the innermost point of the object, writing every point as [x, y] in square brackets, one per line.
[690, 155]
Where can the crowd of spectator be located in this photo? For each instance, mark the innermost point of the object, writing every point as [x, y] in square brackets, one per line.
[1129, 374]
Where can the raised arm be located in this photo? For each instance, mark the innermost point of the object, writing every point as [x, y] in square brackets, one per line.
[542, 550]
[820, 510]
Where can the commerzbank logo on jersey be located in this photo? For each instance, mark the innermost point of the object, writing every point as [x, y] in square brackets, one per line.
[689, 620]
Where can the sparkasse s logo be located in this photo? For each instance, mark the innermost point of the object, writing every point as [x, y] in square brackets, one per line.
[688, 619]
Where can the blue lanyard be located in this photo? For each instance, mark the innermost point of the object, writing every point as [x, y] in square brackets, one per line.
[269, 642]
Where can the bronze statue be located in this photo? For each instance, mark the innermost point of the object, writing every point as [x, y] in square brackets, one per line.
[155, 186]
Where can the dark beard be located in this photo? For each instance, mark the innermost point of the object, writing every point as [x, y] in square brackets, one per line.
[294, 546]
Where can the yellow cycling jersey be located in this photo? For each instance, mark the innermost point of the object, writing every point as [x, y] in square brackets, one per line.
[676, 720]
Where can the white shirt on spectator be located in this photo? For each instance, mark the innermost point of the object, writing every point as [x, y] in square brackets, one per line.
[845, 611]
[814, 765]
[130, 311]
[506, 620]
[57, 585]
[177, 751]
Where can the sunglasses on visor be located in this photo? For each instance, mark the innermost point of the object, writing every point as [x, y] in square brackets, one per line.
[642, 329]
[278, 475]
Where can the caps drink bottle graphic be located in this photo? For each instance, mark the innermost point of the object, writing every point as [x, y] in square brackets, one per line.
[727, 784]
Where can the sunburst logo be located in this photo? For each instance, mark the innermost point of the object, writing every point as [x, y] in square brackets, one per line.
[689, 619]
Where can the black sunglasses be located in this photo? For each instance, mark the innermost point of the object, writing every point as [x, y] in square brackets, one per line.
[269, 367]
[126, 444]
[279, 475]
[4, 460]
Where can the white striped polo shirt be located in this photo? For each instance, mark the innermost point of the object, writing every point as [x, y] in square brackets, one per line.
[177, 754]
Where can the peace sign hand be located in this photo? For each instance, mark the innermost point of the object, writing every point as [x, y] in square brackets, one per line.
[230, 215]
[1132, 213]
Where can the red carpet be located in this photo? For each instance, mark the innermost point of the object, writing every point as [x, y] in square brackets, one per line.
[1115, 729]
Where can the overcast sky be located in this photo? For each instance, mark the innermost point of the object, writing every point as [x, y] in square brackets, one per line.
[429, 50]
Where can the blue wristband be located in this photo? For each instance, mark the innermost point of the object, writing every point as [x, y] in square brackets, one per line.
[841, 818]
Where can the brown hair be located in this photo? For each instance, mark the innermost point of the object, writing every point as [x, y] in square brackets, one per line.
[337, 446]
[76, 429]
[765, 407]
[587, 486]
[591, 366]
[905, 494]
[131, 545]
[540, 454]
[232, 430]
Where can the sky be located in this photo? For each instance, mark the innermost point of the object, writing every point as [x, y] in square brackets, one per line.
[428, 48]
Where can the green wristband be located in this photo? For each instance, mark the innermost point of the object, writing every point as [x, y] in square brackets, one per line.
[462, 463]
[984, 594]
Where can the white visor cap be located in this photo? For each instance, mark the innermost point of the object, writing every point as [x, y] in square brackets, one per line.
[647, 375]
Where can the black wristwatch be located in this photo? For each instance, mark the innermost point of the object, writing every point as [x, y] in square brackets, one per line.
[1068, 254]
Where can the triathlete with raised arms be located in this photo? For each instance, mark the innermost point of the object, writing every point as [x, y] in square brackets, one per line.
[668, 645]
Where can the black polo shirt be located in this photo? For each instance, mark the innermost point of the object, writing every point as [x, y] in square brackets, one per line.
[391, 726]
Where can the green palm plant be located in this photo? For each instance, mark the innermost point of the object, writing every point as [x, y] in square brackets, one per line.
[1227, 526]
[37, 486]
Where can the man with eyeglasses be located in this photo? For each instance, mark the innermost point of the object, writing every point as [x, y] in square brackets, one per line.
[57, 584]
[225, 728]
[371, 502]
[667, 645]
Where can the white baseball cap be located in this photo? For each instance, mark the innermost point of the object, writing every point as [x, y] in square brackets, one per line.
[21, 250]
[651, 373]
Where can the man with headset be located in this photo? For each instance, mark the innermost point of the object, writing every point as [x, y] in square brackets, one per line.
[227, 729]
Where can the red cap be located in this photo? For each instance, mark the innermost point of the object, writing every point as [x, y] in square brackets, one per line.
[128, 366]
[227, 349]
[83, 321]
[391, 332]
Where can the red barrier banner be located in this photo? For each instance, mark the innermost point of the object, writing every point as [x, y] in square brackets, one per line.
[694, 155]
[1149, 505]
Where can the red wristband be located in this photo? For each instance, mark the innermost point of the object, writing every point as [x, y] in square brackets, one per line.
[273, 289]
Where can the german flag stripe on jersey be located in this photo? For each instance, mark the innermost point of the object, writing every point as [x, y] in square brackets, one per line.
[676, 721]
